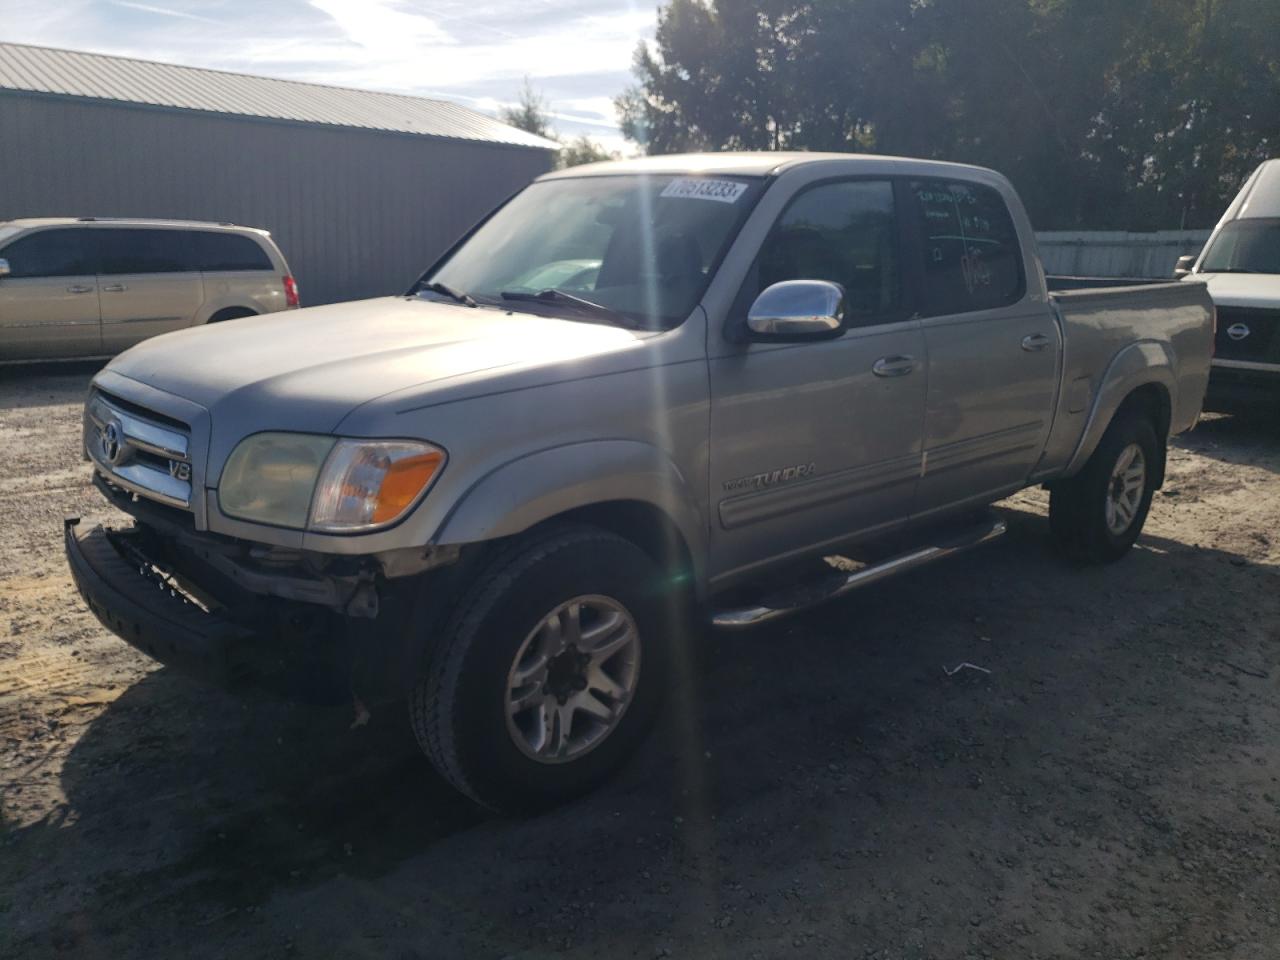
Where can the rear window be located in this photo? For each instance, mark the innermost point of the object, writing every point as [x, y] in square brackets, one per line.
[49, 253]
[142, 251]
[972, 258]
[223, 252]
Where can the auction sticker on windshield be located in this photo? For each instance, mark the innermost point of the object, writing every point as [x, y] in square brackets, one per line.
[692, 188]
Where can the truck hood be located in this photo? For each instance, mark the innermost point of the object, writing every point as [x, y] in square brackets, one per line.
[1242, 289]
[307, 369]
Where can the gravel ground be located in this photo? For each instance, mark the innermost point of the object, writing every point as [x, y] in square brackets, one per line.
[822, 788]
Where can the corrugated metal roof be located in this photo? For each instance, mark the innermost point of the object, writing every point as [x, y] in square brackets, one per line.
[75, 74]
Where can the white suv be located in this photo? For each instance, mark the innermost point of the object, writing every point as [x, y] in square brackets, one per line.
[94, 287]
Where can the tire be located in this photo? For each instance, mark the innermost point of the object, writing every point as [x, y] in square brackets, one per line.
[1094, 518]
[460, 710]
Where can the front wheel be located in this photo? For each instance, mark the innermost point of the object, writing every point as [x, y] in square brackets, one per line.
[1097, 515]
[550, 671]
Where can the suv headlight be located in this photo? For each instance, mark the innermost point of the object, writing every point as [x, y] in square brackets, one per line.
[321, 483]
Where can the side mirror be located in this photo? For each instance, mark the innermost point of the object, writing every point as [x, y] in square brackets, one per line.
[4, 267]
[1184, 265]
[798, 310]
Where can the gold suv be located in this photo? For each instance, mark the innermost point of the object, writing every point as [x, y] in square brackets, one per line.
[94, 287]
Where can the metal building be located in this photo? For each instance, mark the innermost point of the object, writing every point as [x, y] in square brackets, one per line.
[361, 190]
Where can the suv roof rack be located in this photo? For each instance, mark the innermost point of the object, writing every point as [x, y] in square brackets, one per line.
[203, 223]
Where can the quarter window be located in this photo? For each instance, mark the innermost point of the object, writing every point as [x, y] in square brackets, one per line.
[845, 233]
[49, 253]
[225, 252]
[972, 258]
[143, 251]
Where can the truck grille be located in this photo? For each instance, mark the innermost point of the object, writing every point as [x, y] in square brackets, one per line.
[1248, 334]
[138, 449]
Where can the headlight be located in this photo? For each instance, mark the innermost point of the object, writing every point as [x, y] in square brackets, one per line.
[320, 483]
[270, 477]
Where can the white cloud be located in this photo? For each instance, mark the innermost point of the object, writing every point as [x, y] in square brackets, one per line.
[383, 28]
[161, 11]
[577, 52]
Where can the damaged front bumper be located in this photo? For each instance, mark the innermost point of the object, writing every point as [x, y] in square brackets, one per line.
[240, 626]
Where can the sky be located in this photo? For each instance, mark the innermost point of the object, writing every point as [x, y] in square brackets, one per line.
[576, 53]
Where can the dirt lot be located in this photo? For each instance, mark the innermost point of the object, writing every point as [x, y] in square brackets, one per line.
[1111, 788]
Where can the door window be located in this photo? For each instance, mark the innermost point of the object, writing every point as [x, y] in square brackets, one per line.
[842, 232]
[143, 251]
[225, 252]
[972, 258]
[49, 253]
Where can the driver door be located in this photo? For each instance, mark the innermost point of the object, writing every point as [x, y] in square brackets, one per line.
[817, 442]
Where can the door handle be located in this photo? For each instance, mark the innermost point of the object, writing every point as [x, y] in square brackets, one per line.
[115, 288]
[1035, 342]
[893, 366]
[77, 288]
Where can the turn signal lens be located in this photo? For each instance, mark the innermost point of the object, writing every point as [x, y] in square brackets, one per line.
[367, 484]
[405, 479]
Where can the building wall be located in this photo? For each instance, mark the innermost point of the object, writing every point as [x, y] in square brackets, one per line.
[357, 213]
[1096, 253]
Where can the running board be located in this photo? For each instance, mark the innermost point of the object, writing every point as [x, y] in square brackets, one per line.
[795, 601]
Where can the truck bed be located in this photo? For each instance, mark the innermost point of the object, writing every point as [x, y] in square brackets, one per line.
[1168, 325]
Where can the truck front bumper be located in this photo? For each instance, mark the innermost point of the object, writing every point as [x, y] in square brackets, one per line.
[137, 601]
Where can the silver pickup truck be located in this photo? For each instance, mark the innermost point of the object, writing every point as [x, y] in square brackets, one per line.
[639, 397]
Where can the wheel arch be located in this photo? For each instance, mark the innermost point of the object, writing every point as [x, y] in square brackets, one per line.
[627, 487]
[1140, 378]
[231, 313]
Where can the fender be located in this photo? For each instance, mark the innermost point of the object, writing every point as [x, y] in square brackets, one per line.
[542, 485]
[1141, 363]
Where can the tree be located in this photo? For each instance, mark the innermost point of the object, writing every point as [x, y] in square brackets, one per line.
[1137, 115]
[530, 112]
[583, 149]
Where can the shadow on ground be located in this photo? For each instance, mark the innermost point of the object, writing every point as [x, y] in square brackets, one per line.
[823, 785]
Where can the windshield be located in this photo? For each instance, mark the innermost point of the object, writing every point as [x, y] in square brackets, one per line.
[641, 246]
[1245, 246]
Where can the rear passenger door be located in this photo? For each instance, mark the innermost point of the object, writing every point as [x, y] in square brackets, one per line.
[148, 281]
[993, 350]
[49, 300]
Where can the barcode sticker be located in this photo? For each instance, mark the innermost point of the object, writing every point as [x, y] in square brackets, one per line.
[694, 188]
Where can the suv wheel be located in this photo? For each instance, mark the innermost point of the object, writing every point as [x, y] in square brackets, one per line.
[549, 672]
[1098, 514]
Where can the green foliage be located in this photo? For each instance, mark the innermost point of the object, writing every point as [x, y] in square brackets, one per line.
[1137, 114]
[530, 112]
[583, 150]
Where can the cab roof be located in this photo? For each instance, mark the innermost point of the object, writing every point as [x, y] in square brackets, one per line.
[757, 164]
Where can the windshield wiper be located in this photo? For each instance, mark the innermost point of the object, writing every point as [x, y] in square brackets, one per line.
[552, 295]
[447, 291]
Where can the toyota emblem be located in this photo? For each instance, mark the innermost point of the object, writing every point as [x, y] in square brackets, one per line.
[1238, 331]
[112, 442]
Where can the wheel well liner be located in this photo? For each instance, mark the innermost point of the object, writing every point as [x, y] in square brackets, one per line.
[232, 313]
[645, 525]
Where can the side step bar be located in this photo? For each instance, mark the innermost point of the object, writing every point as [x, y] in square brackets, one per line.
[744, 617]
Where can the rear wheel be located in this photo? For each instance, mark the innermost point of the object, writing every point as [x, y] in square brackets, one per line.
[550, 671]
[1098, 514]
